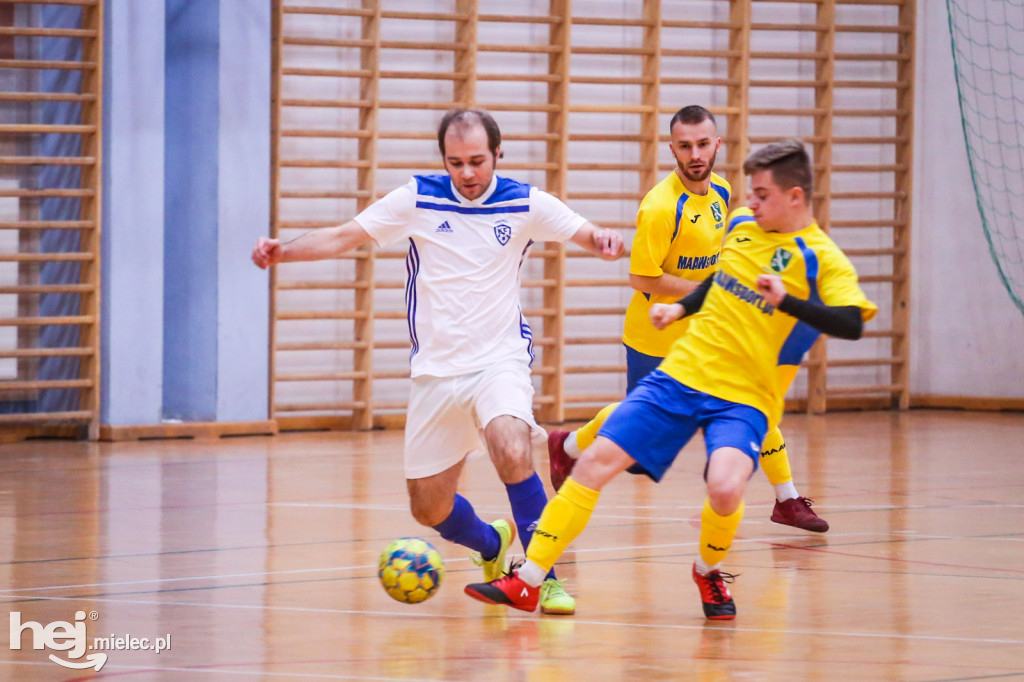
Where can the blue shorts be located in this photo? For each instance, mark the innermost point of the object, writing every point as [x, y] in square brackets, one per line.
[657, 419]
[638, 365]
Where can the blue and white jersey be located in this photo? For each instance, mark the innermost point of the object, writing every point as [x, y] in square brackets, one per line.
[462, 286]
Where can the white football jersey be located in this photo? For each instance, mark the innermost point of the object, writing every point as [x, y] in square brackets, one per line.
[462, 285]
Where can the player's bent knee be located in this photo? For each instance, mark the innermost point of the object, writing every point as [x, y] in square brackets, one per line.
[513, 464]
[725, 496]
[600, 463]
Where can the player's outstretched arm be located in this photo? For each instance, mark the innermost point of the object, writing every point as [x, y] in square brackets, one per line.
[604, 243]
[326, 242]
[844, 322]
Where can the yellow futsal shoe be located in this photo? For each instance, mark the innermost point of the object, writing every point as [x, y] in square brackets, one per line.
[495, 568]
[554, 600]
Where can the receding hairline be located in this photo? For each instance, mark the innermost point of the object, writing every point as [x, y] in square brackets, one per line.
[460, 121]
[465, 122]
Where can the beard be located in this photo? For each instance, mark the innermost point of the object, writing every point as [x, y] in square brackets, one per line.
[700, 176]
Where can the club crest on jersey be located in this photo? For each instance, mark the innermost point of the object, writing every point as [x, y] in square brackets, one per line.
[502, 232]
[780, 259]
[716, 211]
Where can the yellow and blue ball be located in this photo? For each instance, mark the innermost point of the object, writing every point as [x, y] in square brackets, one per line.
[410, 570]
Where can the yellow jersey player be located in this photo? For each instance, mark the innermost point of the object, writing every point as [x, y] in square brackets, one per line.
[781, 281]
[679, 229]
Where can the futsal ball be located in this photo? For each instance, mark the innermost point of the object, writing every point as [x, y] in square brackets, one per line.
[410, 570]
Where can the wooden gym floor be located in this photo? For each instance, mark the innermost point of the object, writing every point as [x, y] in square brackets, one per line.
[257, 556]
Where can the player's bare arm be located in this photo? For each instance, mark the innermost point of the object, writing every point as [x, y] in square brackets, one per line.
[327, 242]
[665, 284]
[664, 314]
[604, 243]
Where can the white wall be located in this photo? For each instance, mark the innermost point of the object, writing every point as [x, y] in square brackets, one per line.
[967, 336]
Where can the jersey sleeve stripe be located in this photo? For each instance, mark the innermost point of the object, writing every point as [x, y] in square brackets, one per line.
[412, 269]
[679, 214]
[723, 192]
[803, 335]
[797, 344]
[739, 220]
[811, 259]
[526, 333]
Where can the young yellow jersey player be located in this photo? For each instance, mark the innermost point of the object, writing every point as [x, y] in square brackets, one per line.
[679, 231]
[781, 281]
[738, 334]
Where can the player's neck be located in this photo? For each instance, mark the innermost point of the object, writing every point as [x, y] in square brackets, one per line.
[796, 223]
[697, 188]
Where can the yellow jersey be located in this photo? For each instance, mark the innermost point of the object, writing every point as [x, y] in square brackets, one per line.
[739, 347]
[679, 233]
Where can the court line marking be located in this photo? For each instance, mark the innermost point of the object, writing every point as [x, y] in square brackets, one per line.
[371, 567]
[510, 616]
[780, 542]
[295, 571]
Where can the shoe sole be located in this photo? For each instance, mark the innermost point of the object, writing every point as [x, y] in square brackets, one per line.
[557, 612]
[487, 600]
[782, 522]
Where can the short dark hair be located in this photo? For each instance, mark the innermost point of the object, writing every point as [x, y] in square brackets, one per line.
[789, 163]
[463, 119]
[691, 115]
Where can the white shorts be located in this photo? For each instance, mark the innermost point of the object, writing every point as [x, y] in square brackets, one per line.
[447, 415]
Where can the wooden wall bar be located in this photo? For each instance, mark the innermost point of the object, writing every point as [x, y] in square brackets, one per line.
[583, 92]
[42, 352]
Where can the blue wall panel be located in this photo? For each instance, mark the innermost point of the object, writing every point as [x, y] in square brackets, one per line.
[190, 211]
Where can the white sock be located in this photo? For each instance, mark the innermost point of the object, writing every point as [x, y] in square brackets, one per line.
[531, 574]
[570, 446]
[703, 568]
[785, 491]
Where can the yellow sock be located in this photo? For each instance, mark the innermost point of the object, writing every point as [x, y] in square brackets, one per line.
[585, 435]
[717, 533]
[774, 459]
[564, 518]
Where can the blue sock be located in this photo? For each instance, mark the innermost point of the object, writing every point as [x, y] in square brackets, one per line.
[464, 527]
[528, 500]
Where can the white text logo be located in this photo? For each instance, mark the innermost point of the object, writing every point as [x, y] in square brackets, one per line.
[59, 636]
[71, 637]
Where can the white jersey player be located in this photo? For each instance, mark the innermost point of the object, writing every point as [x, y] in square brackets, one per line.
[468, 234]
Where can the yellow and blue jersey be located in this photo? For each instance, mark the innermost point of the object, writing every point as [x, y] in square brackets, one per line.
[739, 347]
[679, 233]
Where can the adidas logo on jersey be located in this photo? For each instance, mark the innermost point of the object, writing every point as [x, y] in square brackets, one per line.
[445, 227]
